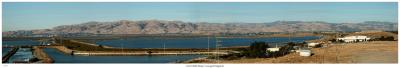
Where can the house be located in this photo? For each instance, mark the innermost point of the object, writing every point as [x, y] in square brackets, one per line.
[354, 39]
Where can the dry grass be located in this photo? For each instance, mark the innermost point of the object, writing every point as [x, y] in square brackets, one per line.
[363, 52]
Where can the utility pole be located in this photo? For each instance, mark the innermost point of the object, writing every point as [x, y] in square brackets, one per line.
[217, 45]
[208, 41]
[164, 47]
[61, 41]
[290, 34]
[337, 54]
[122, 47]
[163, 40]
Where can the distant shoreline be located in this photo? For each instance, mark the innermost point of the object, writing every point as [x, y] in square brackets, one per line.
[107, 37]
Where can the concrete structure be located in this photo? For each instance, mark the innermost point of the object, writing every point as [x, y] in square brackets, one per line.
[354, 38]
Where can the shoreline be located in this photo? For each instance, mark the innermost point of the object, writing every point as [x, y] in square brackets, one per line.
[96, 37]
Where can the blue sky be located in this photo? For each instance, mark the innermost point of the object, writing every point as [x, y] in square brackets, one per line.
[26, 16]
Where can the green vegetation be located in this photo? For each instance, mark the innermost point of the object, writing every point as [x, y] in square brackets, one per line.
[383, 38]
[284, 50]
[258, 50]
[336, 41]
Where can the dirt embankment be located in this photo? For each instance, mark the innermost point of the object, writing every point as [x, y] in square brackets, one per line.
[41, 55]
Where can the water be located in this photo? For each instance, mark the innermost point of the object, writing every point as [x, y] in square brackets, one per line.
[4, 51]
[63, 58]
[23, 54]
[194, 42]
[20, 43]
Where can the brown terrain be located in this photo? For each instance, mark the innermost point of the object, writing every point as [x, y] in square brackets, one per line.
[363, 52]
[180, 27]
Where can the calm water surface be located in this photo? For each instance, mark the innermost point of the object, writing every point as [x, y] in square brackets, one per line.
[145, 43]
[20, 42]
[23, 54]
[5, 51]
[201, 42]
[63, 58]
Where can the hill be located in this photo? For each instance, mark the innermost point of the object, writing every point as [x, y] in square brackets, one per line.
[162, 26]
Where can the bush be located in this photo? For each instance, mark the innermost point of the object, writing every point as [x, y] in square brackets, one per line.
[283, 50]
[231, 56]
[383, 38]
[256, 50]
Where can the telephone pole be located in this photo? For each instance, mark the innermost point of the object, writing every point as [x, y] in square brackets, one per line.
[217, 45]
[208, 41]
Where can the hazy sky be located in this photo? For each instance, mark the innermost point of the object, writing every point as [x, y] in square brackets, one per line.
[20, 16]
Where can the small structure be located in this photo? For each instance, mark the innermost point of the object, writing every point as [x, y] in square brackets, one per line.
[273, 49]
[354, 38]
[311, 45]
[305, 52]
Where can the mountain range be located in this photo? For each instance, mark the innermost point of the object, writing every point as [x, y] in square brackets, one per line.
[163, 26]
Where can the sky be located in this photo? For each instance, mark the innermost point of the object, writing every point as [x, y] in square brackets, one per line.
[45, 15]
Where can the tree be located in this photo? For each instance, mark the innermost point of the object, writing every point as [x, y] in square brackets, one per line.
[391, 38]
[340, 41]
[333, 40]
[256, 50]
[383, 38]
[284, 50]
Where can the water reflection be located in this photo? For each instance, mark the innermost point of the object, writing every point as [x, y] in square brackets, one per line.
[63, 58]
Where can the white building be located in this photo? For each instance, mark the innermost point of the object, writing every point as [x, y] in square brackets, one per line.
[310, 45]
[354, 38]
[305, 52]
[273, 49]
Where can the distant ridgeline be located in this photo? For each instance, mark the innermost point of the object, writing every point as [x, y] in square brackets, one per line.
[179, 27]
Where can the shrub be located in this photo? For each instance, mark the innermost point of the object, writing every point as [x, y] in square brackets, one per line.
[256, 50]
[383, 38]
[283, 50]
